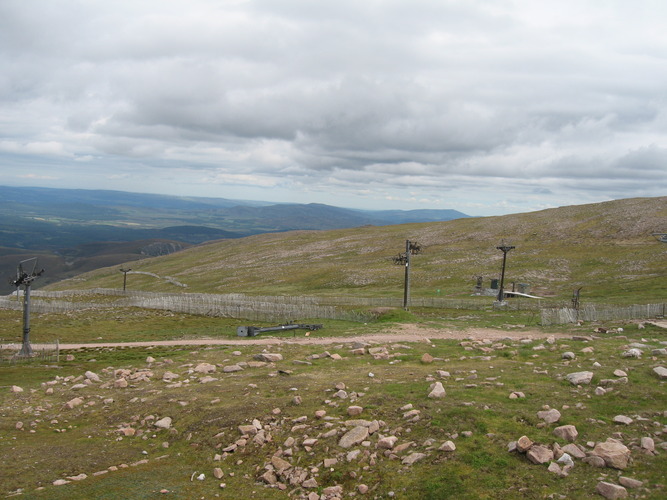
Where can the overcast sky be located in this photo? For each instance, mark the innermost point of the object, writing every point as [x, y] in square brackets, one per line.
[487, 107]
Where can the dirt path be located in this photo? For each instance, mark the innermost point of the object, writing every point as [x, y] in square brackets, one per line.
[400, 333]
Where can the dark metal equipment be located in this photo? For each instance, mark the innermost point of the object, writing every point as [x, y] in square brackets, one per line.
[253, 331]
[504, 248]
[25, 279]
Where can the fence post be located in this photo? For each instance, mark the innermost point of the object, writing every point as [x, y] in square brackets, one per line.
[57, 351]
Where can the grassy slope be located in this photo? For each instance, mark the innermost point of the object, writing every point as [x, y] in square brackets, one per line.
[606, 247]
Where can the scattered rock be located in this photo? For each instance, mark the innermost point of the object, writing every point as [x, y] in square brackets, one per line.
[622, 419]
[412, 458]
[629, 482]
[353, 411]
[437, 390]
[660, 371]
[353, 436]
[539, 454]
[632, 353]
[614, 453]
[567, 432]
[163, 423]
[205, 368]
[524, 444]
[447, 446]
[427, 358]
[610, 490]
[268, 357]
[579, 378]
[73, 403]
[549, 416]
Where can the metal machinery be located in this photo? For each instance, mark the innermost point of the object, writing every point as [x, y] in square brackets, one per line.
[253, 331]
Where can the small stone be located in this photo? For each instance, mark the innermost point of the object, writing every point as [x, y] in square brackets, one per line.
[620, 373]
[268, 357]
[610, 490]
[437, 390]
[629, 482]
[120, 383]
[568, 355]
[310, 483]
[600, 391]
[412, 458]
[622, 419]
[549, 416]
[163, 423]
[595, 461]
[16, 389]
[579, 378]
[524, 444]
[660, 371]
[232, 368]
[280, 464]
[73, 403]
[150, 359]
[93, 377]
[362, 489]
[387, 442]
[632, 353]
[205, 368]
[427, 358]
[648, 444]
[447, 446]
[353, 411]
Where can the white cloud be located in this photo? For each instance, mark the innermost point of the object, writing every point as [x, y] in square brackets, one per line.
[357, 100]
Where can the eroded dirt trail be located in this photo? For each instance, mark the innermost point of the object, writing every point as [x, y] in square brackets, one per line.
[399, 333]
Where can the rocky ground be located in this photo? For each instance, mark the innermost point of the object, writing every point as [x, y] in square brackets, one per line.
[375, 417]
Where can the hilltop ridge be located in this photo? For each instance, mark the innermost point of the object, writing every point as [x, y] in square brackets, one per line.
[605, 247]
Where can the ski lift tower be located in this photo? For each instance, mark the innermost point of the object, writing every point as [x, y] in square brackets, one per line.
[504, 248]
[403, 259]
[25, 278]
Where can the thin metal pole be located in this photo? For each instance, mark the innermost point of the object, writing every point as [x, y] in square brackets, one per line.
[406, 291]
[26, 349]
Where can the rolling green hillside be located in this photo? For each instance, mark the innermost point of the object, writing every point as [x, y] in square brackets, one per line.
[606, 248]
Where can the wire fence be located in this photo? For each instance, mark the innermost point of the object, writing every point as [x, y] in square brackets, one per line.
[559, 316]
[290, 308]
[10, 353]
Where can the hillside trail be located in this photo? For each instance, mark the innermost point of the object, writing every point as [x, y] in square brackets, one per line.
[399, 333]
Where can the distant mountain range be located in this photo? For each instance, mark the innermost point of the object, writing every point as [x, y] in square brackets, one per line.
[76, 230]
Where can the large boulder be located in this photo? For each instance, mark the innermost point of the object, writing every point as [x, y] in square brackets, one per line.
[354, 436]
[614, 453]
[540, 454]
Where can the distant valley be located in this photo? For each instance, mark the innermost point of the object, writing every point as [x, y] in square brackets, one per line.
[73, 231]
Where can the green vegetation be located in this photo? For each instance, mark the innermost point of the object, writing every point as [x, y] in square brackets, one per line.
[605, 248]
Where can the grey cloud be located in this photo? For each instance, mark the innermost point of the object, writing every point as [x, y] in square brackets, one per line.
[423, 95]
